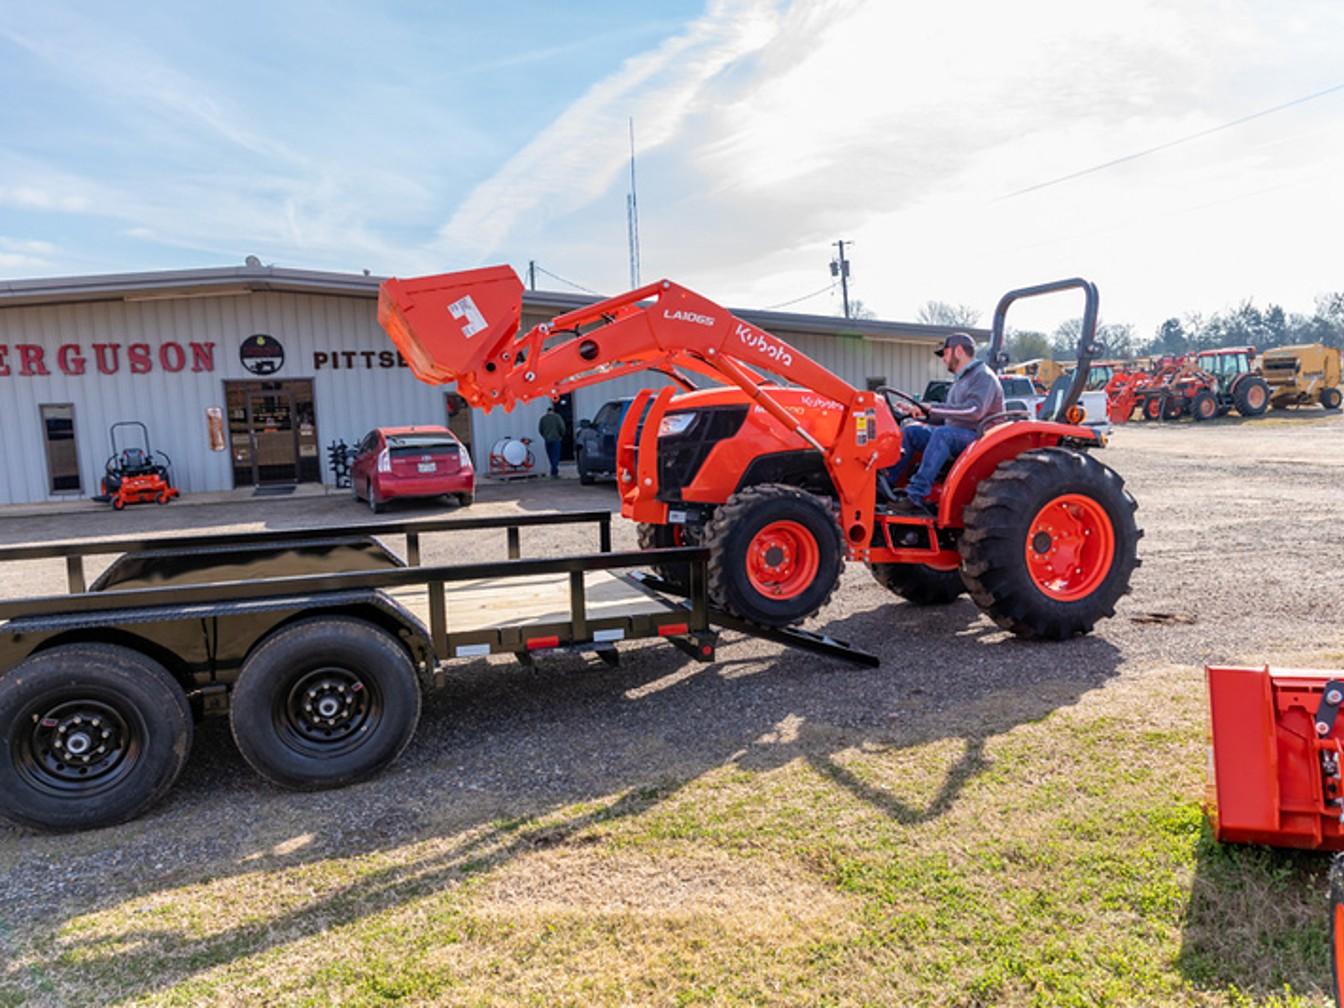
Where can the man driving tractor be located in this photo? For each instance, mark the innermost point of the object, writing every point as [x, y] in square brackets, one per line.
[974, 395]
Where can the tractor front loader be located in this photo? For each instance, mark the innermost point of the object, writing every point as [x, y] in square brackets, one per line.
[774, 465]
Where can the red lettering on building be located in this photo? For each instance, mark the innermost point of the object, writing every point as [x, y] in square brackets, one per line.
[108, 357]
[4, 368]
[202, 356]
[137, 354]
[31, 359]
[172, 358]
[70, 359]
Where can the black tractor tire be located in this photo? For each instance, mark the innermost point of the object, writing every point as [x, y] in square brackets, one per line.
[1154, 406]
[1336, 891]
[1173, 407]
[324, 702]
[1331, 398]
[1204, 406]
[666, 537]
[1000, 522]
[585, 477]
[1251, 396]
[919, 584]
[60, 707]
[736, 526]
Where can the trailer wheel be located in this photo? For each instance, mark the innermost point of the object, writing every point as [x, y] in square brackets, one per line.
[1050, 543]
[919, 584]
[651, 536]
[1251, 396]
[1204, 406]
[324, 702]
[775, 554]
[94, 734]
[1331, 398]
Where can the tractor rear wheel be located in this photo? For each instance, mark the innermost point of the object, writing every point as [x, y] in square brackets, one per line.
[775, 554]
[919, 584]
[1204, 406]
[1331, 398]
[1050, 543]
[666, 537]
[1251, 396]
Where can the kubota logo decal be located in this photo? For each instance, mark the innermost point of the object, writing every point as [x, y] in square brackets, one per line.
[686, 316]
[465, 308]
[767, 346]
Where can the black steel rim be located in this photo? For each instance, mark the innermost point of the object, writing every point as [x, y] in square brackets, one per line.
[77, 744]
[328, 710]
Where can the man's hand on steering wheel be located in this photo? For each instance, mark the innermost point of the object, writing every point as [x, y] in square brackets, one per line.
[903, 405]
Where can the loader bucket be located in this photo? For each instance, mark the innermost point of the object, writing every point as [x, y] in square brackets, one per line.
[1275, 755]
[448, 326]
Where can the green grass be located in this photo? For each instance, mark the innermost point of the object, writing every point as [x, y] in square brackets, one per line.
[1066, 862]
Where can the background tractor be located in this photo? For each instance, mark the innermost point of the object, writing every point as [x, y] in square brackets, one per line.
[773, 465]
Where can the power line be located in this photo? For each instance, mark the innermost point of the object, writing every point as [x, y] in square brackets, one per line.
[785, 304]
[1173, 143]
[571, 283]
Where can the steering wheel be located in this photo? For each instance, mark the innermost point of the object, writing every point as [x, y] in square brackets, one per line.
[901, 404]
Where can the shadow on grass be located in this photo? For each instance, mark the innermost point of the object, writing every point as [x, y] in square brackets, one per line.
[1258, 921]
[502, 746]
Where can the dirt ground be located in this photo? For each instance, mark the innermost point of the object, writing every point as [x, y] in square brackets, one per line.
[1241, 563]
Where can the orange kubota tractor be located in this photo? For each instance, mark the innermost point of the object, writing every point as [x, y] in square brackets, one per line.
[775, 467]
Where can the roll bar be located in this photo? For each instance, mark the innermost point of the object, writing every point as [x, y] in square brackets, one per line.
[1088, 347]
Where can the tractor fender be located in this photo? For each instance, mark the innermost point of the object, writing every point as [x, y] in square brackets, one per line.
[987, 453]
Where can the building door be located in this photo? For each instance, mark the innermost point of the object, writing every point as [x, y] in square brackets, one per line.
[58, 428]
[565, 407]
[459, 420]
[272, 432]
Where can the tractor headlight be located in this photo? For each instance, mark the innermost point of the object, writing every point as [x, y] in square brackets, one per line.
[674, 424]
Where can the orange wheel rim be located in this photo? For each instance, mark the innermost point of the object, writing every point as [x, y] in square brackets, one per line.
[1207, 408]
[1256, 396]
[783, 559]
[1070, 546]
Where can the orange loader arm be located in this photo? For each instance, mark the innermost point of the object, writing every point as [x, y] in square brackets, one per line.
[463, 328]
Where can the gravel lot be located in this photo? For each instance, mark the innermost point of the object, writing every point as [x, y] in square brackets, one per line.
[1241, 562]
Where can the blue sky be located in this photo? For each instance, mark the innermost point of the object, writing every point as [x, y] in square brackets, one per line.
[410, 138]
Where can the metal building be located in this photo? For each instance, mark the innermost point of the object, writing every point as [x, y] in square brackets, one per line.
[244, 376]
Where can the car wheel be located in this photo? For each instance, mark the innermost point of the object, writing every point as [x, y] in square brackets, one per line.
[585, 477]
[375, 505]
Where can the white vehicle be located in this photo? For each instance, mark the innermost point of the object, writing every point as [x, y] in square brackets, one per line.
[1020, 395]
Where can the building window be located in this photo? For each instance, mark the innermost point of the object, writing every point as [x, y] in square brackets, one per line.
[58, 430]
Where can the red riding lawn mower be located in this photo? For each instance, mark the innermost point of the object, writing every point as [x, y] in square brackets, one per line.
[134, 474]
[775, 467]
[1276, 770]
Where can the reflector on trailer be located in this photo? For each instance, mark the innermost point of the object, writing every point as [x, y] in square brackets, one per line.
[1275, 756]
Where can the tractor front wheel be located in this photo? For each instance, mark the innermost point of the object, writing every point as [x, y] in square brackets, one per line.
[666, 537]
[919, 584]
[1153, 407]
[1050, 543]
[775, 554]
[1173, 407]
[1204, 406]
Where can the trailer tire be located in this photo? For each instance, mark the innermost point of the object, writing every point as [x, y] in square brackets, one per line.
[919, 584]
[1331, 398]
[324, 702]
[58, 704]
[1251, 396]
[1043, 503]
[779, 538]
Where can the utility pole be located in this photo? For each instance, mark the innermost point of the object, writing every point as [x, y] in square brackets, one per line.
[632, 214]
[532, 274]
[840, 268]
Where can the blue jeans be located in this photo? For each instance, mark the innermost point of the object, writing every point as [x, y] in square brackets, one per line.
[938, 445]
[553, 453]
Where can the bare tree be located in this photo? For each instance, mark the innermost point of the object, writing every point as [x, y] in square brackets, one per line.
[944, 314]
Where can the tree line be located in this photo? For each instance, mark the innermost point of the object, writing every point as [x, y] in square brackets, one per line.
[1240, 326]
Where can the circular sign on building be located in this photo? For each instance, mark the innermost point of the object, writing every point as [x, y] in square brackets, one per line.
[261, 354]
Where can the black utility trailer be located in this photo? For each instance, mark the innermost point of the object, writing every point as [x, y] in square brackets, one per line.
[316, 643]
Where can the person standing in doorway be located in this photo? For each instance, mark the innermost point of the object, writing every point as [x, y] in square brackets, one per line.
[552, 430]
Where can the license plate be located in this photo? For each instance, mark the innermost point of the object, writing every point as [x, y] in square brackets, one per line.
[427, 467]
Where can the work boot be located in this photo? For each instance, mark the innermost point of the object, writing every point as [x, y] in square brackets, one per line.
[885, 491]
[908, 505]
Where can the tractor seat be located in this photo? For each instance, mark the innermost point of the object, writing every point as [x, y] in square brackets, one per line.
[134, 462]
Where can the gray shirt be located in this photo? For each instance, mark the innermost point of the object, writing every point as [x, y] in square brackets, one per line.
[974, 395]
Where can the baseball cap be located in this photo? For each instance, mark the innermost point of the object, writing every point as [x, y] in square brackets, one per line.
[957, 339]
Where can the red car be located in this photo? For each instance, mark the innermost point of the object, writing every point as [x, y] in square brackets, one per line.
[396, 462]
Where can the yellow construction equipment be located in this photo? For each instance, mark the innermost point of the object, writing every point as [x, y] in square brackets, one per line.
[1302, 374]
[1040, 370]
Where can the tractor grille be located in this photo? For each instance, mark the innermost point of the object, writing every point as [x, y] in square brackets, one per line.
[680, 456]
